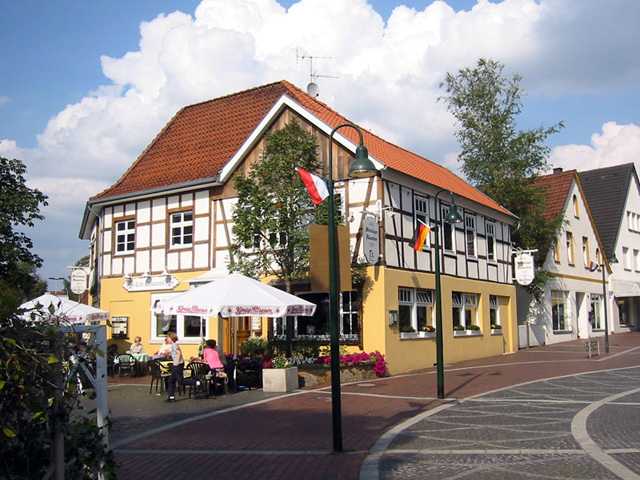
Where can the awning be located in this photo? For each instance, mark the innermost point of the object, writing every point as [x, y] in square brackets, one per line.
[625, 288]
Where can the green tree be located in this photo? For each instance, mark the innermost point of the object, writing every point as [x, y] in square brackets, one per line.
[274, 209]
[19, 208]
[499, 159]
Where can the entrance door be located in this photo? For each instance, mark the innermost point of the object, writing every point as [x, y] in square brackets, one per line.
[236, 331]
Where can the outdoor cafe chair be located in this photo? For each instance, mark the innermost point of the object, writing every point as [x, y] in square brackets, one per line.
[126, 363]
[112, 351]
[217, 380]
[199, 371]
[159, 375]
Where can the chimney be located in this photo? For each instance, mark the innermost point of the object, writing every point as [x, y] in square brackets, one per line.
[557, 170]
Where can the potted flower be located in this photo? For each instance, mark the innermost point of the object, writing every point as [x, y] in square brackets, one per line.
[279, 375]
[496, 329]
[407, 331]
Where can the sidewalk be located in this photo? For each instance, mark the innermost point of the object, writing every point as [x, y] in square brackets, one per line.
[269, 436]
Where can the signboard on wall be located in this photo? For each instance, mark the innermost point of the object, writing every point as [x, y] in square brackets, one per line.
[371, 239]
[78, 281]
[524, 268]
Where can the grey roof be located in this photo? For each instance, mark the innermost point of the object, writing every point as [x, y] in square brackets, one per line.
[606, 190]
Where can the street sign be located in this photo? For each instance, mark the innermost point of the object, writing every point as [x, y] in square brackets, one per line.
[78, 281]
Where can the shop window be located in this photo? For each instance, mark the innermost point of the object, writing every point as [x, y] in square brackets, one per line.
[188, 327]
[494, 310]
[465, 309]
[559, 310]
[415, 309]
[595, 315]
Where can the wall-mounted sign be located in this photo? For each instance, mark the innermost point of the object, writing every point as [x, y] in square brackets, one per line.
[149, 283]
[371, 239]
[78, 281]
[524, 266]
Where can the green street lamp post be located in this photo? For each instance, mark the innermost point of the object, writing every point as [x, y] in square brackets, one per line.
[452, 217]
[361, 167]
[605, 299]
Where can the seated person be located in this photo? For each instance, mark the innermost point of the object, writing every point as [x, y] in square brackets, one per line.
[164, 352]
[137, 347]
[211, 355]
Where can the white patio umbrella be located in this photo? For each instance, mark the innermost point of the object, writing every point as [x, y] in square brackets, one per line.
[235, 296]
[64, 309]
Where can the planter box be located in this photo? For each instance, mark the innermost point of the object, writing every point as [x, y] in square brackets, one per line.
[279, 379]
[312, 375]
[496, 331]
[467, 333]
[427, 334]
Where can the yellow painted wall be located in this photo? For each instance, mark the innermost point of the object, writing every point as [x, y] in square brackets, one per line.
[404, 355]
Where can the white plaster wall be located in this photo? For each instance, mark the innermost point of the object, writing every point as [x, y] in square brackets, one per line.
[144, 212]
[158, 234]
[158, 210]
[201, 256]
[201, 229]
[143, 236]
[143, 263]
[157, 260]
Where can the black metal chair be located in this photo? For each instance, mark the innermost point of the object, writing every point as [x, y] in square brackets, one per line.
[112, 351]
[217, 381]
[249, 373]
[199, 371]
[159, 375]
[126, 363]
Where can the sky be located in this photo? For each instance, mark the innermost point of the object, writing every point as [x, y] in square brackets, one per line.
[86, 86]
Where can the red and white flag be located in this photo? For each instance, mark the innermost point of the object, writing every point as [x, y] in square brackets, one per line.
[316, 186]
[593, 266]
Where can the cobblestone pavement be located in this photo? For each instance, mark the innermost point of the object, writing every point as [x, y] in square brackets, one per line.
[577, 427]
[545, 413]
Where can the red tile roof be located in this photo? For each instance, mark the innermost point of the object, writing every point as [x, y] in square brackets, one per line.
[557, 186]
[200, 139]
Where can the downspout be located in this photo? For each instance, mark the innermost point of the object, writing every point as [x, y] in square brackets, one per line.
[96, 295]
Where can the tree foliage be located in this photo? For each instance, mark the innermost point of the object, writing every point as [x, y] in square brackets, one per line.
[19, 208]
[38, 394]
[499, 159]
[274, 209]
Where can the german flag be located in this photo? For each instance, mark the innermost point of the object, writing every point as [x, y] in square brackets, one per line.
[420, 237]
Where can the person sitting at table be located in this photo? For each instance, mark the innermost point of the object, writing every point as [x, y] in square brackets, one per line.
[137, 347]
[177, 374]
[211, 355]
[163, 352]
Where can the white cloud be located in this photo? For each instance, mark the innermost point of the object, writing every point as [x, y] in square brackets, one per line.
[388, 76]
[617, 144]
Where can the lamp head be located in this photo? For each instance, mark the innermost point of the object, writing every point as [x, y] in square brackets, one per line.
[613, 259]
[362, 167]
[453, 216]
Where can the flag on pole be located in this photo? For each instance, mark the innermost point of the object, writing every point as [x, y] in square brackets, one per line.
[420, 237]
[593, 266]
[316, 186]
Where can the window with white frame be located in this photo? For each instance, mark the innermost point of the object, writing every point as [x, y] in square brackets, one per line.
[491, 241]
[190, 328]
[317, 327]
[570, 252]
[448, 232]
[494, 310]
[470, 232]
[626, 258]
[559, 314]
[585, 252]
[181, 229]
[595, 315]
[636, 260]
[415, 309]
[125, 236]
[421, 213]
[465, 309]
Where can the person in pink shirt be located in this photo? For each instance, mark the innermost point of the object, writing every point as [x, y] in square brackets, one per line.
[211, 355]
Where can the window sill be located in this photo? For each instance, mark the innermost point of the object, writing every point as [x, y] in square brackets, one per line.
[467, 333]
[562, 332]
[180, 247]
[496, 331]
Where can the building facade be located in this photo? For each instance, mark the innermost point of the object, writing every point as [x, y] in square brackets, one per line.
[572, 305]
[166, 225]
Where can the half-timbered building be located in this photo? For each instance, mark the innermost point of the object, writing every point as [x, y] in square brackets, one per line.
[166, 225]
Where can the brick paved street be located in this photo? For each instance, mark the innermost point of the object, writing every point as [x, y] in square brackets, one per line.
[548, 411]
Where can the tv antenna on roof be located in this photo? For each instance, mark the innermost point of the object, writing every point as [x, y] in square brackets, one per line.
[312, 87]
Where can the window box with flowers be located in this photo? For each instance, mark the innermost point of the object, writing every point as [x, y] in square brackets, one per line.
[427, 332]
[496, 329]
[408, 332]
[469, 331]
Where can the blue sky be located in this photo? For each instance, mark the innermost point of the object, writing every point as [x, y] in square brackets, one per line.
[85, 86]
